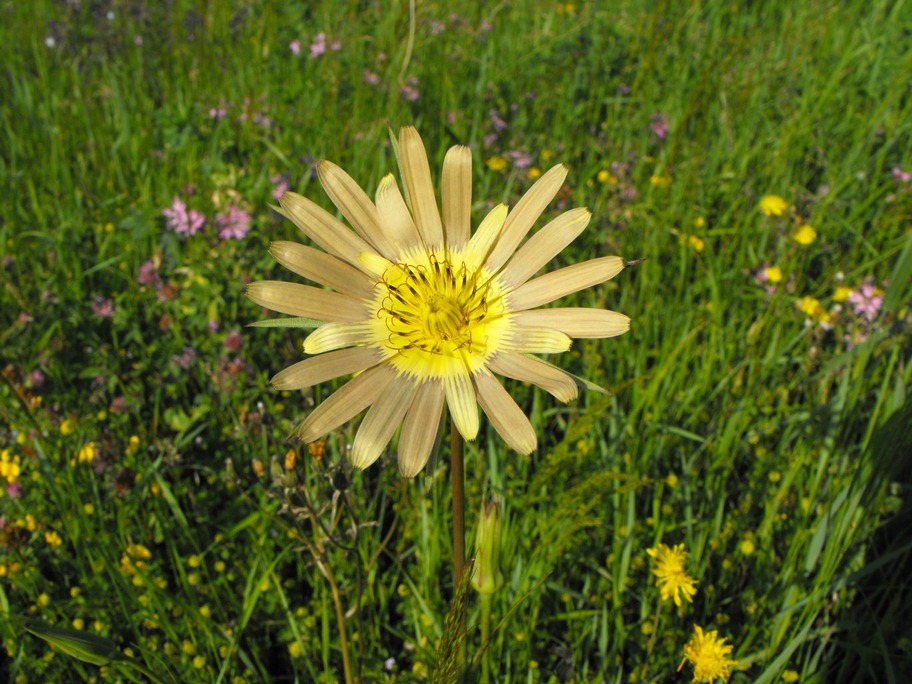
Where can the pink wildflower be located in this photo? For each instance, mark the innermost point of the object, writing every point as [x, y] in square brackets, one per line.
[901, 176]
[866, 301]
[280, 183]
[295, 47]
[148, 274]
[103, 308]
[14, 490]
[659, 125]
[370, 78]
[233, 225]
[318, 46]
[234, 341]
[181, 221]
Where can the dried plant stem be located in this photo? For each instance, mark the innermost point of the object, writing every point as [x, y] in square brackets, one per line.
[340, 617]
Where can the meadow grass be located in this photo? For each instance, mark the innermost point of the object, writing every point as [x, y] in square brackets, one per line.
[149, 496]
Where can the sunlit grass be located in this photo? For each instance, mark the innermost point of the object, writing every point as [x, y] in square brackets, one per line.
[763, 433]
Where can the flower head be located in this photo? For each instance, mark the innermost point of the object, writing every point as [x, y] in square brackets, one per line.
[805, 235]
[425, 311]
[673, 580]
[709, 655]
[773, 205]
[233, 224]
[181, 221]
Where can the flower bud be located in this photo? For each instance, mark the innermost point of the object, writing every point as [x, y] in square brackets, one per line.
[487, 577]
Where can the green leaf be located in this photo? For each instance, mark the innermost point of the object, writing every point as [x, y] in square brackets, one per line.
[85, 646]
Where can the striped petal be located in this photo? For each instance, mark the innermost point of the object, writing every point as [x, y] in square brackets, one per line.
[564, 281]
[381, 421]
[322, 268]
[325, 367]
[460, 396]
[506, 417]
[577, 322]
[529, 369]
[395, 216]
[307, 301]
[420, 428]
[355, 206]
[325, 229]
[345, 403]
[457, 196]
[544, 246]
[525, 214]
[337, 335]
[486, 235]
[525, 340]
[417, 175]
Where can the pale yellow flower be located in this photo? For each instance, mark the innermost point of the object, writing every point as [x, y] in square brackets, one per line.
[773, 205]
[673, 580]
[424, 311]
[805, 235]
[709, 655]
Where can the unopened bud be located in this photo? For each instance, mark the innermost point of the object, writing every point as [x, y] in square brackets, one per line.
[487, 577]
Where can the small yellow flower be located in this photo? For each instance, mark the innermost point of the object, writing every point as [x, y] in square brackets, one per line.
[696, 243]
[660, 181]
[673, 580]
[496, 163]
[790, 676]
[199, 662]
[805, 235]
[841, 293]
[773, 205]
[813, 308]
[86, 453]
[132, 445]
[44, 600]
[534, 173]
[53, 539]
[605, 176]
[67, 426]
[709, 655]
[78, 623]
[747, 547]
[295, 650]
[773, 274]
[699, 222]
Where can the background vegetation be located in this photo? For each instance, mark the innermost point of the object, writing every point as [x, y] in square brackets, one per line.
[148, 495]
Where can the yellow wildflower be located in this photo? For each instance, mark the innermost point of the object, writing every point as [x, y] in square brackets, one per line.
[67, 426]
[747, 547]
[673, 580]
[805, 235]
[709, 655]
[813, 308]
[605, 176]
[53, 539]
[660, 181]
[773, 274]
[496, 163]
[841, 293]
[773, 205]
[86, 453]
[534, 173]
[790, 676]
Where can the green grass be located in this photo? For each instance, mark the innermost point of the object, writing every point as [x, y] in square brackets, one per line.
[732, 420]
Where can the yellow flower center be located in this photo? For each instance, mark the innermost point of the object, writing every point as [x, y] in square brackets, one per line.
[437, 309]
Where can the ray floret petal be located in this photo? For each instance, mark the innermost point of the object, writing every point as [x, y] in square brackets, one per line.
[424, 311]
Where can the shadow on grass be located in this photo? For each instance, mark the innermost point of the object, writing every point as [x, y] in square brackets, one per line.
[874, 641]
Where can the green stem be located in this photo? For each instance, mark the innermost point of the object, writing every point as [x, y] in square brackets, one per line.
[458, 525]
[485, 635]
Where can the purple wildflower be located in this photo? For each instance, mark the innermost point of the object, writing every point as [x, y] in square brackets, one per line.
[148, 274]
[233, 225]
[659, 125]
[185, 359]
[181, 221]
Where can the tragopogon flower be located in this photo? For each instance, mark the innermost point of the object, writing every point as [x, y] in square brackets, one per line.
[709, 655]
[426, 312]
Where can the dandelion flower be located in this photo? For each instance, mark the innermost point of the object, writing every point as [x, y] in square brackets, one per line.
[773, 205]
[772, 273]
[709, 655]
[805, 235]
[673, 580]
[424, 312]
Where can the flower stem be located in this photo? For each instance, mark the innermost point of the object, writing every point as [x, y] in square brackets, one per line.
[458, 525]
[458, 504]
[485, 636]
